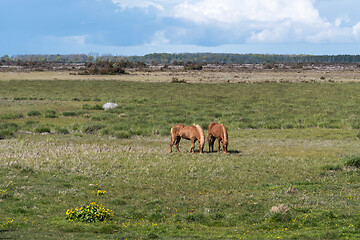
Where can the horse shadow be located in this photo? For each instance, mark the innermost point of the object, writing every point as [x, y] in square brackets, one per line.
[228, 152]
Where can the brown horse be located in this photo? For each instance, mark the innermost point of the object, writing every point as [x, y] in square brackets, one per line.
[191, 132]
[219, 132]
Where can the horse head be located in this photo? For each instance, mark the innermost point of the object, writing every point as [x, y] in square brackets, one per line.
[201, 137]
[225, 138]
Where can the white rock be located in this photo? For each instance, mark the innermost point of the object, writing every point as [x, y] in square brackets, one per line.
[109, 105]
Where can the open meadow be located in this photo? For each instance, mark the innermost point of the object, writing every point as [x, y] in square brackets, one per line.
[292, 171]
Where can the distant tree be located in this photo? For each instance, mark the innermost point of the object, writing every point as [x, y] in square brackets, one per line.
[5, 58]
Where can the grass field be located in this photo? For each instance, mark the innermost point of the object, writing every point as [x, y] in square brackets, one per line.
[292, 171]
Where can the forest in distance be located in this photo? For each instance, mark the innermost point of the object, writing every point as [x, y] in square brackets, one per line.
[181, 58]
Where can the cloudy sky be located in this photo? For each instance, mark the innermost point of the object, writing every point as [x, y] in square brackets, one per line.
[138, 27]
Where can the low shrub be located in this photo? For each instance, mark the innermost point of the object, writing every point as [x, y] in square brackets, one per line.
[330, 167]
[197, 217]
[20, 98]
[62, 130]
[352, 161]
[193, 66]
[69, 114]
[103, 116]
[177, 80]
[50, 114]
[34, 113]
[12, 116]
[89, 107]
[122, 134]
[42, 129]
[31, 123]
[103, 68]
[7, 130]
[92, 128]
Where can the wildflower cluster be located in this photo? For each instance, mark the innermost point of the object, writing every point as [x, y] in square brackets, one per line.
[89, 213]
[101, 192]
[4, 192]
[9, 221]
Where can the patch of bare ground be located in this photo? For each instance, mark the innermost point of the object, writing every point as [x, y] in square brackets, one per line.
[204, 76]
[210, 73]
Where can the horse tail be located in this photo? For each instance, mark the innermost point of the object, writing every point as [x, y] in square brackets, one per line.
[172, 132]
[225, 139]
[201, 133]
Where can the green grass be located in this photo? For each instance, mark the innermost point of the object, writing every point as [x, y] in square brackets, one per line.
[181, 195]
[293, 147]
[148, 108]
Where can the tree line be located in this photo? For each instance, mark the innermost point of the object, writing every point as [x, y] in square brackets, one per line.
[184, 58]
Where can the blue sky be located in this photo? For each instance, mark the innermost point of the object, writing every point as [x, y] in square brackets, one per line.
[138, 27]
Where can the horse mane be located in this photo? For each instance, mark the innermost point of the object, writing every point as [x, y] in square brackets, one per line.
[212, 125]
[225, 133]
[201, 132]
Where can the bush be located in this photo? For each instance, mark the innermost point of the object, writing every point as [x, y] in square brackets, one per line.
[62, 130]
[352, 161]
[12, 116]
[89, 107]
[330, 167]
[50, 114]
[89, 213]
[103, 116]
[193, 66]
[122, 134]
[280, 217]
[34, 113]
[69, 114]
[103, 68]
[176, 80]
[30, 123]
[7, 129]
[93, 128]
[42, 129]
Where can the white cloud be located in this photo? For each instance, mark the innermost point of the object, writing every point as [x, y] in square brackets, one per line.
[331, 35]
[252, 20]
[279, 33]
[159, 4]
[77, 40]
[159, 38]
[356, 30]
[237, 11]
[230, 11]
[338, 21]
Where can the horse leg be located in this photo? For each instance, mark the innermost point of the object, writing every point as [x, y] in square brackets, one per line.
[171, 143]
[209, 141]
[192, 149]
[211, 144]
[177, 143]
[224, 148]
[218, 144]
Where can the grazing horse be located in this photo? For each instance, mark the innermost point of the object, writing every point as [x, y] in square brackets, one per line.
[191, 132]
[219, 132]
